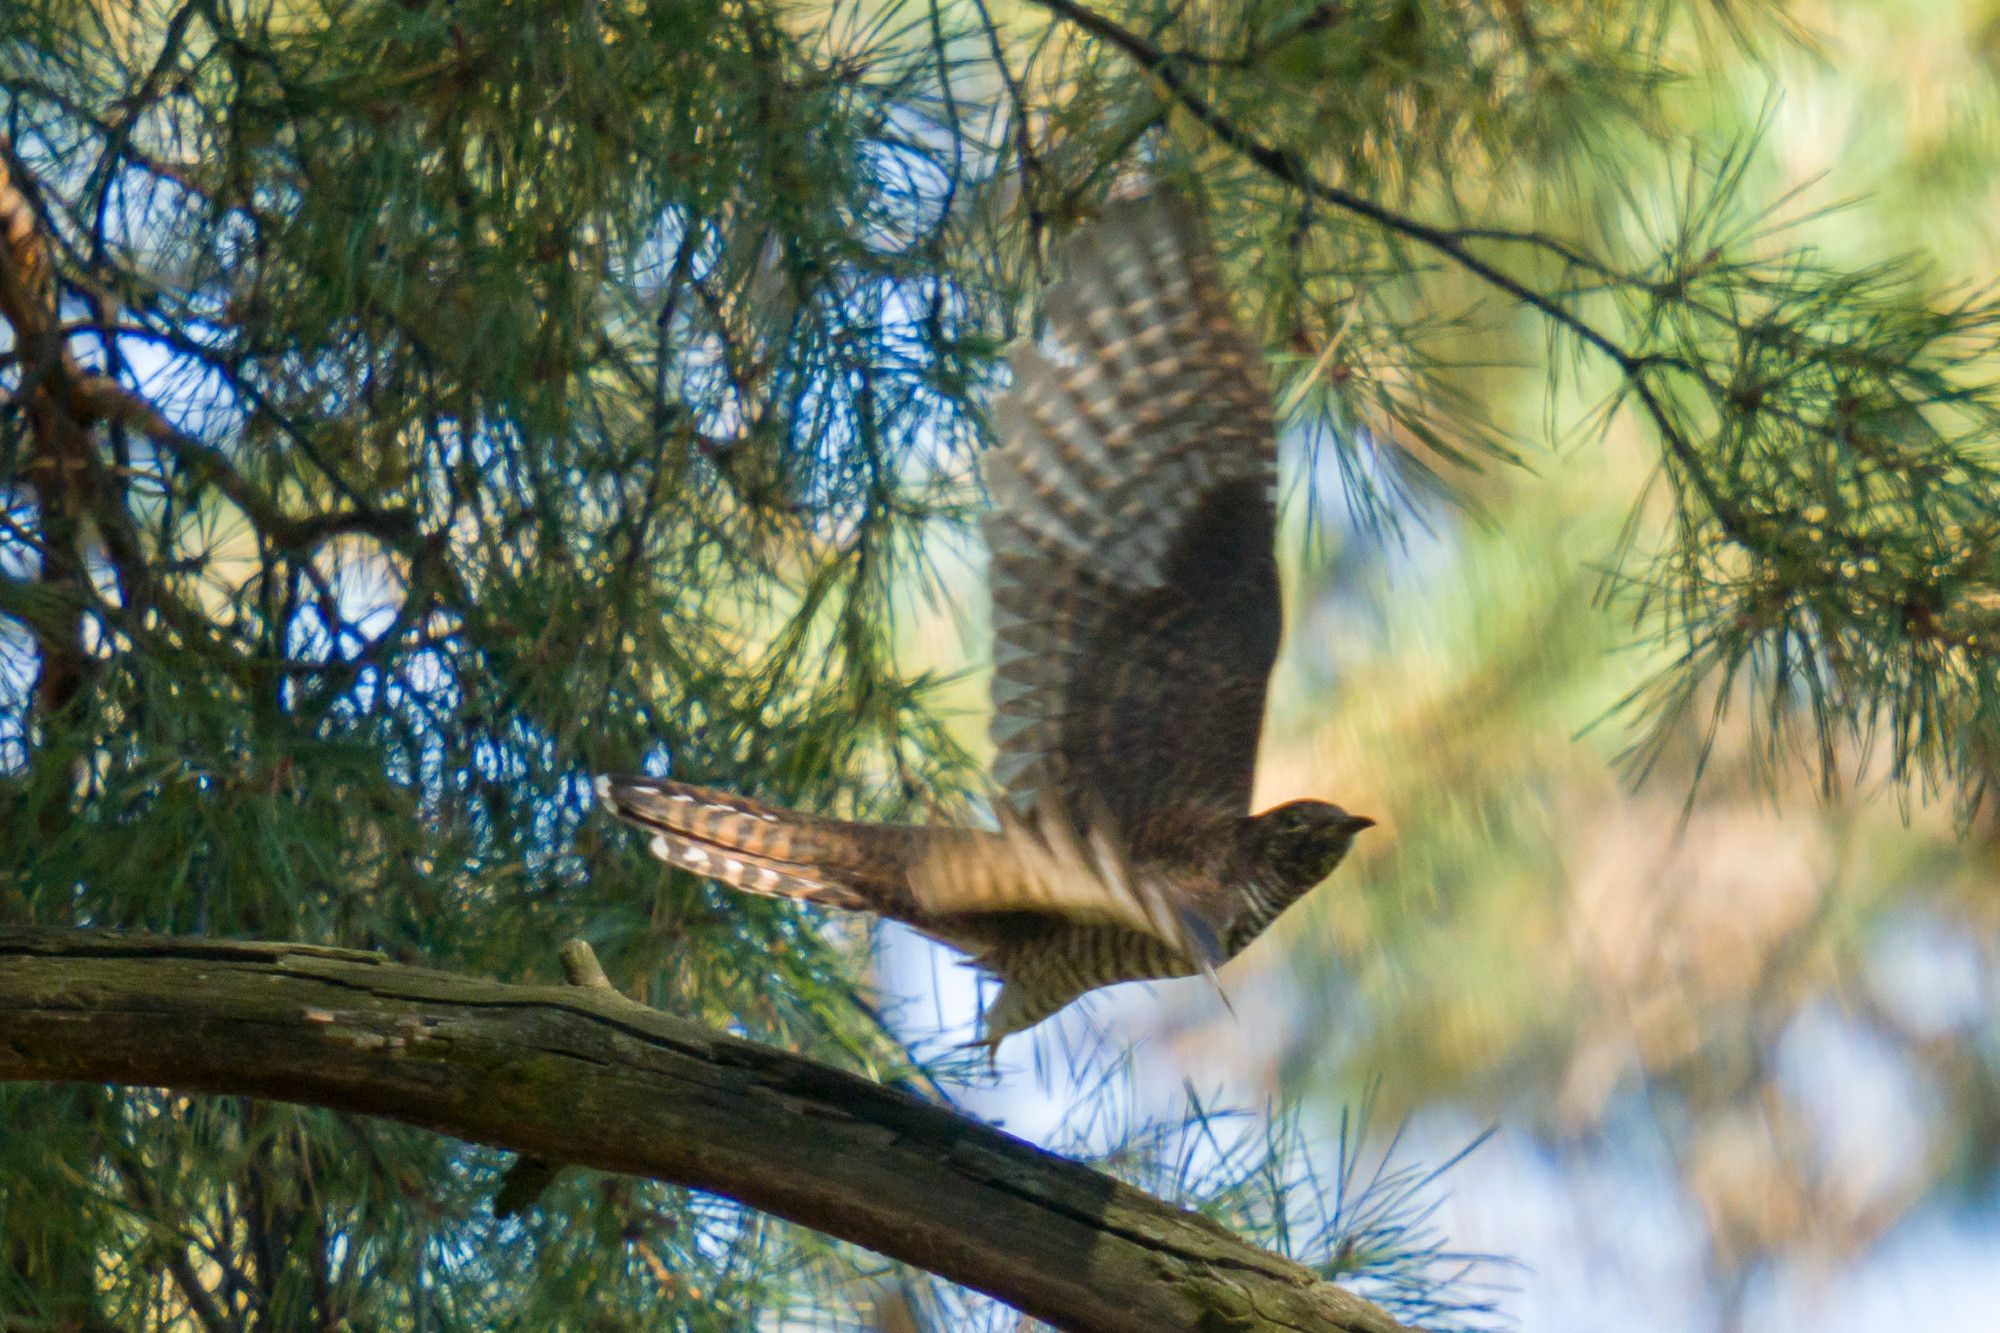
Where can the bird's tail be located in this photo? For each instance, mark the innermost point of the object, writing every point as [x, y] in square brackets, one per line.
[758, 848]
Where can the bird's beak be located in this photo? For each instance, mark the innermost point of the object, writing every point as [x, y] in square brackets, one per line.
[1355, 823]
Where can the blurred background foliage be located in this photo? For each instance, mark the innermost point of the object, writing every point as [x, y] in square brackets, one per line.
[549, 387]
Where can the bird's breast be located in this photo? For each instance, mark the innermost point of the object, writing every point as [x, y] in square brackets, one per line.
[1257, 906]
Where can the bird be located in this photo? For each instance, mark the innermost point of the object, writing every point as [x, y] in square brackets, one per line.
[1136, 619]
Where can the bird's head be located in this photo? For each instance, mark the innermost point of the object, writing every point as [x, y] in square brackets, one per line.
[1300, 842]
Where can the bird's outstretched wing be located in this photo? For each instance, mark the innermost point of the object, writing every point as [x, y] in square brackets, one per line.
[1135, 591]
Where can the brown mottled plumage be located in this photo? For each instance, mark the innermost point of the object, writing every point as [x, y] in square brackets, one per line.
[1135, 623]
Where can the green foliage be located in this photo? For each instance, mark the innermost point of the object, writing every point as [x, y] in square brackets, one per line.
[1825, 432]
[554, 387]
[551, 378]
[1356, 1213]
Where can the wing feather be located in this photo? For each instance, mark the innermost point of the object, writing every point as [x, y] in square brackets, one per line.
[1135, 594]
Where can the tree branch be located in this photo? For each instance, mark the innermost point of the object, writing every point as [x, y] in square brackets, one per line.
[59, 459]
[582, 1075]
[74, 401]
[1289, 168]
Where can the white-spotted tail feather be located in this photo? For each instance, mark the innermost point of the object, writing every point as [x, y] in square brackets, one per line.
[734, 841]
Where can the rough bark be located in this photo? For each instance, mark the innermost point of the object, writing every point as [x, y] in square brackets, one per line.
[579, 1074]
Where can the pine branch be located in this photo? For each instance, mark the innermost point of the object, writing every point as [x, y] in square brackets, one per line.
[1449, 242]
[67, 402]
[79, 493]
[1824, 434]
[59, 458]
[579, 1074]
